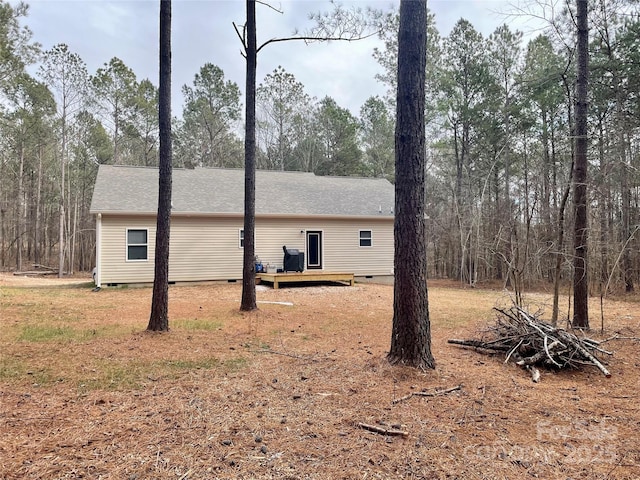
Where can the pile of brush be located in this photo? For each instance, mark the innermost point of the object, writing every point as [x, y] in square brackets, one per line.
[532, 343]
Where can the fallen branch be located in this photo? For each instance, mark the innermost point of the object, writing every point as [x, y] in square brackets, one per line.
[274, 352]
[535, 373]
[478, 344]
[427, 394]
[593, 359]
[183, 477]
[383, 431]
[45, 267]
[615, 337]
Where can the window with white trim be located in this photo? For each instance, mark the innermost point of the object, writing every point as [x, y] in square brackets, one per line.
[137, 244]
[241, 238]
[366, 238]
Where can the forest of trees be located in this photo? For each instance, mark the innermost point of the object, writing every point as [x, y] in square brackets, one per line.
[500, 143]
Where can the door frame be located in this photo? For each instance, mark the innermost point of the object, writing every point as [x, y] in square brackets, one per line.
[315, 234]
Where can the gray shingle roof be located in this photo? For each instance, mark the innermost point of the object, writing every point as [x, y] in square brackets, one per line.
[123, 189]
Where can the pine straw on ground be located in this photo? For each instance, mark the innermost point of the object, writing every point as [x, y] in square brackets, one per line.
[279, 393]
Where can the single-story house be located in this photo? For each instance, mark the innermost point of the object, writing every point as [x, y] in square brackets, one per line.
[342, 224]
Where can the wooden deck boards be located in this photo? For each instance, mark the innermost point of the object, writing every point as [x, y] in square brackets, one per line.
[290, 277]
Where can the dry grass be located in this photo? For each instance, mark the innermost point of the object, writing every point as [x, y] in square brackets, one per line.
[85, 392]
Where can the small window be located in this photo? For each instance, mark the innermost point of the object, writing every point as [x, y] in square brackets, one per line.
[365, 238]
[241, 238]
[137, 244]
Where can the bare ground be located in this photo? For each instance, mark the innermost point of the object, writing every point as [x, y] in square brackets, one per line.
[279, 393]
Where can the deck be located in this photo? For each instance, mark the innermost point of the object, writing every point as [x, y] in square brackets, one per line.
[290, 277]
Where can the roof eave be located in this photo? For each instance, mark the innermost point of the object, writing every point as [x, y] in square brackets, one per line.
[240, 215]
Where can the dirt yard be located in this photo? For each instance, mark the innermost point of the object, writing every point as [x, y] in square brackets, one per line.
[280, 393]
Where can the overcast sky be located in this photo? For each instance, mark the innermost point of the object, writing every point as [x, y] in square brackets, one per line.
[98, 30]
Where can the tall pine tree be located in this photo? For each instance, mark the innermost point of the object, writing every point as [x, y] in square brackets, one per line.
[159, 319]
[411, 332]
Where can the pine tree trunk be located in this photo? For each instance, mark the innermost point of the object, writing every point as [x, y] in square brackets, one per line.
[580, 263]
[411, 334]
[159, 319]
[73, 237]
[3, 201]
[36, 238]
[20, 210]
[61, 243]
[248, 266]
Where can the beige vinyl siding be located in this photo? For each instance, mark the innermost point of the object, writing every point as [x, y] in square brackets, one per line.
[341, 251]
[200, 249]
[207, 248]
[114, 265]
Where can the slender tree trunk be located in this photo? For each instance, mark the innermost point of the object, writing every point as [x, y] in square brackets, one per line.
[29, 216]
[37, 239]
[560, 253]
[3, 201]
[554, 167]
[116, 133]
[159, 319]
[281, 143]
[546, 192]
[20, 210]
[46, 242]
[69, 227]
[627, 266]
[580, 263]
[248, 265]
[497, 224]
[411, 330]
[73, 238]
[61, 242]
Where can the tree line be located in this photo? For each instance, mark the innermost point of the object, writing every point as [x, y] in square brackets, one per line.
[500, 161]
[499, 151]
[59, 124]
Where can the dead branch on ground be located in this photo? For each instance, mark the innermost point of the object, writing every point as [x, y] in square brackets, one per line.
[383, 430]
[427, 394]
[284, 354]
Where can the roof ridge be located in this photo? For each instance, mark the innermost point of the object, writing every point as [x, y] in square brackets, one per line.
[238, 169]
[261, 170]
[139, 167]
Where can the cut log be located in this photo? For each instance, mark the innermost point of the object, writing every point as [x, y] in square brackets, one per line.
[34, 273]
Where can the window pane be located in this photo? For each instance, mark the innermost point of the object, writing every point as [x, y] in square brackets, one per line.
[137, 236]
[137, 252]
[365, 238]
